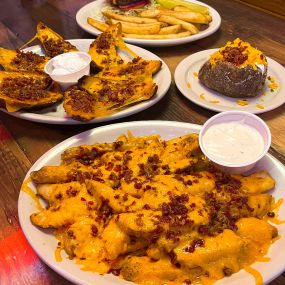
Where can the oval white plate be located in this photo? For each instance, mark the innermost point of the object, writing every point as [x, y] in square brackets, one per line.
[93, 10]
[189, 85]
[56, 114]
[44, 243]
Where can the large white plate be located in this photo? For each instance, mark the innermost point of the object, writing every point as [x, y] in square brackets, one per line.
[44, 243]
[55, 114]
[188, 83]
[93, 10]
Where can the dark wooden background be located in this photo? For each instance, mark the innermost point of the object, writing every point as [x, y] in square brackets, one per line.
[23, 142]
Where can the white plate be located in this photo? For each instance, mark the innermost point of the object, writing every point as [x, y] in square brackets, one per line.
[93, 10]
[45, 243]
[189, 85]
[55, 114]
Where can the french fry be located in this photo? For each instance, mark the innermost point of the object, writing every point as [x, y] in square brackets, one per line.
[141, 29]
[170, 30]
[113, 21]
[97, 24]
[151, 13]
[131, 19]
[191, 17]
[158, 37]
[174, 21]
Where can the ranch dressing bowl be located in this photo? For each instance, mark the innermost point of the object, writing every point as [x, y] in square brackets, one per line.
[68, 68]
[235, 140]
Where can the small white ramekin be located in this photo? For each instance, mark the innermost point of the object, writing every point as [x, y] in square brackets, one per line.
[72, 78]
[235, 116]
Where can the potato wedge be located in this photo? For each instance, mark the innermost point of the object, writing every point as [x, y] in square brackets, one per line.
[24, 90]
[141, 29]
[159, 37]
[52, 42]
[17, 60]
[174, 21]
[170, 30]
[131, 19]
[97, 24]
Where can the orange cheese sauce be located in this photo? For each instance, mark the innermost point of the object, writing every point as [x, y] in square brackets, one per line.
[25, 188]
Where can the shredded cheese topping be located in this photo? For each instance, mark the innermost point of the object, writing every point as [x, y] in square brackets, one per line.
[239, 53]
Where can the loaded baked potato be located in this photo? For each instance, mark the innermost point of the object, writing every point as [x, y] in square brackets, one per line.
[235, 70]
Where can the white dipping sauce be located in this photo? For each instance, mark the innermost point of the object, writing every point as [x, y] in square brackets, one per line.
[68, 63]
[233, 143]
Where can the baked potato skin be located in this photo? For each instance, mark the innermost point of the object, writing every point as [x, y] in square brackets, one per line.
[232, 81]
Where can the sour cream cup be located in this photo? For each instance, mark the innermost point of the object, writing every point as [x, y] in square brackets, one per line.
[237, 117]
[71, 77]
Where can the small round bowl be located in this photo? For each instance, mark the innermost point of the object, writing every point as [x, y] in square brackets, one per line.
[248, 119]
[66, 80]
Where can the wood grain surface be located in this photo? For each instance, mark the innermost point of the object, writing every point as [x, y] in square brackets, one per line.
[23, 142]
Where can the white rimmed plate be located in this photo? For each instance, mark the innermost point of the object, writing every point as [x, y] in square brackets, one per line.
[93, 10]
[187, 82]
[44, 243]
[55, 114]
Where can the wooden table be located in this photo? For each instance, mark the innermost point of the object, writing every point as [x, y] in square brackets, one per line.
[23, 142]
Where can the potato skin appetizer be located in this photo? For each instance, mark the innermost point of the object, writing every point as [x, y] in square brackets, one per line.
[236, 70]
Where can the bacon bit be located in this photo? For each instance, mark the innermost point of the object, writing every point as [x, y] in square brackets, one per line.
[235, 55]
[115, 272]
[125, 197]
[195, 243]
[83, 199]
[271, 214]
[227, 271]
[139, 221]
[138, 185]
[117, 168]
[94, 230]
[58, 196]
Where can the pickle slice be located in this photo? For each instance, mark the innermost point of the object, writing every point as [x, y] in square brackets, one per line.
[169, 4]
